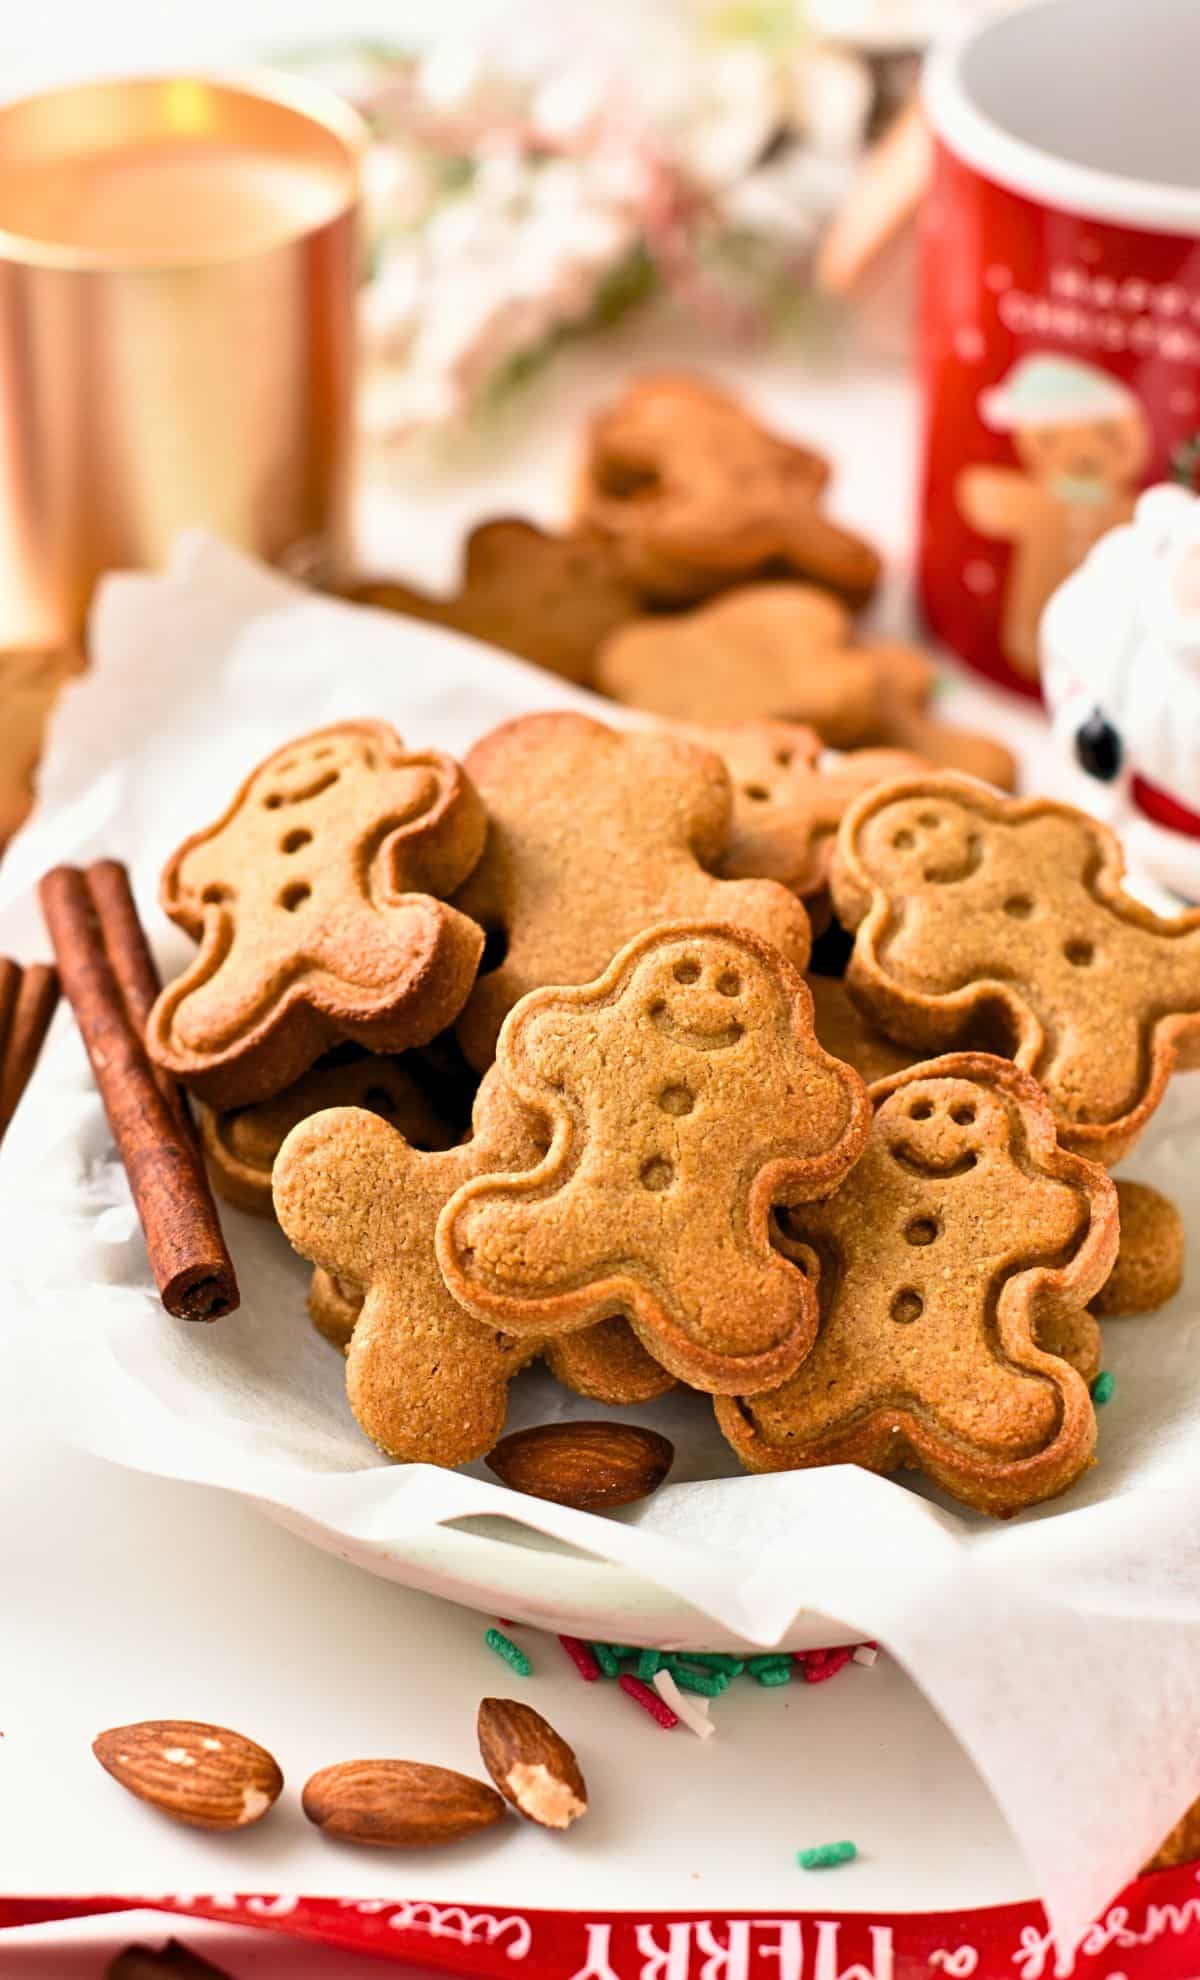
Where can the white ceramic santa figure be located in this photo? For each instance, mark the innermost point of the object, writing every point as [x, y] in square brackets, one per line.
[1120, 658]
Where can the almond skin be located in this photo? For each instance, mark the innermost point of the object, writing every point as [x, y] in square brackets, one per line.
[531, 1764]
[592, 1466]
[398, 1804]
[204, 1775]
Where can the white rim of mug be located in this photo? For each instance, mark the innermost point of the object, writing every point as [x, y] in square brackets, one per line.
[310, 100]
[1055, 182]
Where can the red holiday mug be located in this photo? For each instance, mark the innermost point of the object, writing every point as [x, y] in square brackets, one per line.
[1059, 324]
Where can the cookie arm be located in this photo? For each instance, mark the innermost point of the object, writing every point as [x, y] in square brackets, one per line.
[330, 1187]
[997, 501]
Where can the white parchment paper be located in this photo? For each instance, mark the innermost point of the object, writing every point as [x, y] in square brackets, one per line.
[1063, 1648]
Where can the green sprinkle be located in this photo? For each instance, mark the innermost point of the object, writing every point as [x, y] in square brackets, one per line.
[624, 1649]
[778, 1674]
[1103, 1386]
[826, 1856]
[648, 1664]
[716, 1660]
[705, 1684]
[771, 1662]
[506, 1648]
[607, 1662]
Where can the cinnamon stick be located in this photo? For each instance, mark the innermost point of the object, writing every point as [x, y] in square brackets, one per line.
[134, 967]
[191, 1265]
[32, 1009]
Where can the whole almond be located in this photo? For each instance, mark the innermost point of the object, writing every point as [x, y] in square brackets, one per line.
[398, 1803]
[196, 1773]
[531, 1764]
[588, 1465]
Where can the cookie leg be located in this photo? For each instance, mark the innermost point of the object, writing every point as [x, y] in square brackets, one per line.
[1149, 1267]
[607, 1363]
[427, 1383]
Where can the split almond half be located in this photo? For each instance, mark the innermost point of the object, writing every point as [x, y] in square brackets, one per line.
[531, 1764]
[204, 1775]
[592, 1466]
[398, 1804]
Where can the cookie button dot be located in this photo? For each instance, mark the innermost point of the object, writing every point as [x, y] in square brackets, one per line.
[676, 1100]
[657, 1174]
[1080, 954]
[907, 1306]
[1018, 907]
[922, 1230]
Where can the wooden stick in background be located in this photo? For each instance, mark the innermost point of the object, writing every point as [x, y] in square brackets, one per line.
[103, 958]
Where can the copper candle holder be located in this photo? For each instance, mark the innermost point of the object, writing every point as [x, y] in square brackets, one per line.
[177, 276]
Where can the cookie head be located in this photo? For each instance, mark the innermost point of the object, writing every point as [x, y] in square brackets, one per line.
[927, 838]
[943, 1128]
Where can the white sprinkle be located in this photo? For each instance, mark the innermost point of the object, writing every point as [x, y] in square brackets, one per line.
[687, 1710]
[211, 1745]
[179, 1756]
[865, 1654]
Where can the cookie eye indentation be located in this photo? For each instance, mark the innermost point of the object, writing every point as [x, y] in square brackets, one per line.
[677, 1100]
[294, 897]
[757, 793]
[921, 1110]
[783, 759]
[1019, 907]
[291, 842]
[687, 971]
[964, 1114]
[273, 800]
[215, 893]
[1081, 954]
[922, 1230]
[907, 1306]
[729, 983]
[657, 1174]
[904, 841]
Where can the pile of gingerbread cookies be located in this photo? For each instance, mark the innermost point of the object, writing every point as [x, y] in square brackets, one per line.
[523, 1057]
[700, 580]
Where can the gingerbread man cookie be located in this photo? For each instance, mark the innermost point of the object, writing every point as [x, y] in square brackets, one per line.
[593, 836]
[688, 1094]
[241, 1145]
[789, 797]
[697, 495]
[771, 652]
[1002, 922]
[963, 1233]
[550, 599]
[318, 902]
[425, 1380]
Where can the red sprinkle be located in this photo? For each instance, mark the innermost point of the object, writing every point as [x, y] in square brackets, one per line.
[581, 1657]
[818, 1665]
[648, 1700]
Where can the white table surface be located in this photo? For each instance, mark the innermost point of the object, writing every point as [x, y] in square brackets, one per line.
[126, 1597]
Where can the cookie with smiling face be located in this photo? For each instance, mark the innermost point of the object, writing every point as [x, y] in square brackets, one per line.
[696, 494]
[963, 1240]
[318, 901]
[687, 1095]
[1002, 923]
[593, 836]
